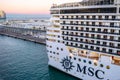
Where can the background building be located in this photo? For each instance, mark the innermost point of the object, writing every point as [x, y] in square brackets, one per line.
[2, 16]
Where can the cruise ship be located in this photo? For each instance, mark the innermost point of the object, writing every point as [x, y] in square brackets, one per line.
[84, 39]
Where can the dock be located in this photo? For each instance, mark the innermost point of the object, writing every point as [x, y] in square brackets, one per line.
[19, 33]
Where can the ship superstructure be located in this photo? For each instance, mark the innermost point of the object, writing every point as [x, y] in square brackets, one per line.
[84, 39]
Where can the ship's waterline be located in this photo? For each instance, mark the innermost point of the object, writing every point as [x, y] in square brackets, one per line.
[24, 60]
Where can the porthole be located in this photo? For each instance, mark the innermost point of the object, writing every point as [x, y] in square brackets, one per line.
[107, 67]
[57, 53]
[84, 61]
[53, 52]
[58, 41]
[57, 48]
[61, 49]
[95, 64]
[74, 58]
[79, 59]
[101, 65]
[90, 62]
[70, 57]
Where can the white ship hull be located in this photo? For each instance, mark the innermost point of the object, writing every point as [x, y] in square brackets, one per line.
[84, 70]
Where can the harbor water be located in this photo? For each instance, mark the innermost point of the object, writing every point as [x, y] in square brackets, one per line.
[24, 60]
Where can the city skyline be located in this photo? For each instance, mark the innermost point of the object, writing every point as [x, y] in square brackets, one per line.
[29, 7]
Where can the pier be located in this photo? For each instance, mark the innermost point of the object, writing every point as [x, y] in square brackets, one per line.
[34, 35]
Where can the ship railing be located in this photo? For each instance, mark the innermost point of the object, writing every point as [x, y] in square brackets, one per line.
[81, 4]
[91, 25]
[91, 31]
[93, 37]
[89, 19]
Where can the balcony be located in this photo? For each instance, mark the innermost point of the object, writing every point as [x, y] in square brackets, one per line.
[92, 49]
[90, 25]
[90, 37]
[89, 19]
[92, 43]
[90, 31]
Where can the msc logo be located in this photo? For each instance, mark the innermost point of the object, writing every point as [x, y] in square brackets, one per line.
[67, 64]
[91, 72]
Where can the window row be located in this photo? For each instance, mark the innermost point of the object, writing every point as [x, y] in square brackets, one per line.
[89, 23]
[94, 17]
[94, 48]
[88, 29]
[53, 52]
[57, 48]
[94, 42]
[94, 36]
[52, 35]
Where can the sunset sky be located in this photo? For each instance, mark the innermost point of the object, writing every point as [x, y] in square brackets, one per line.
[29, 6]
